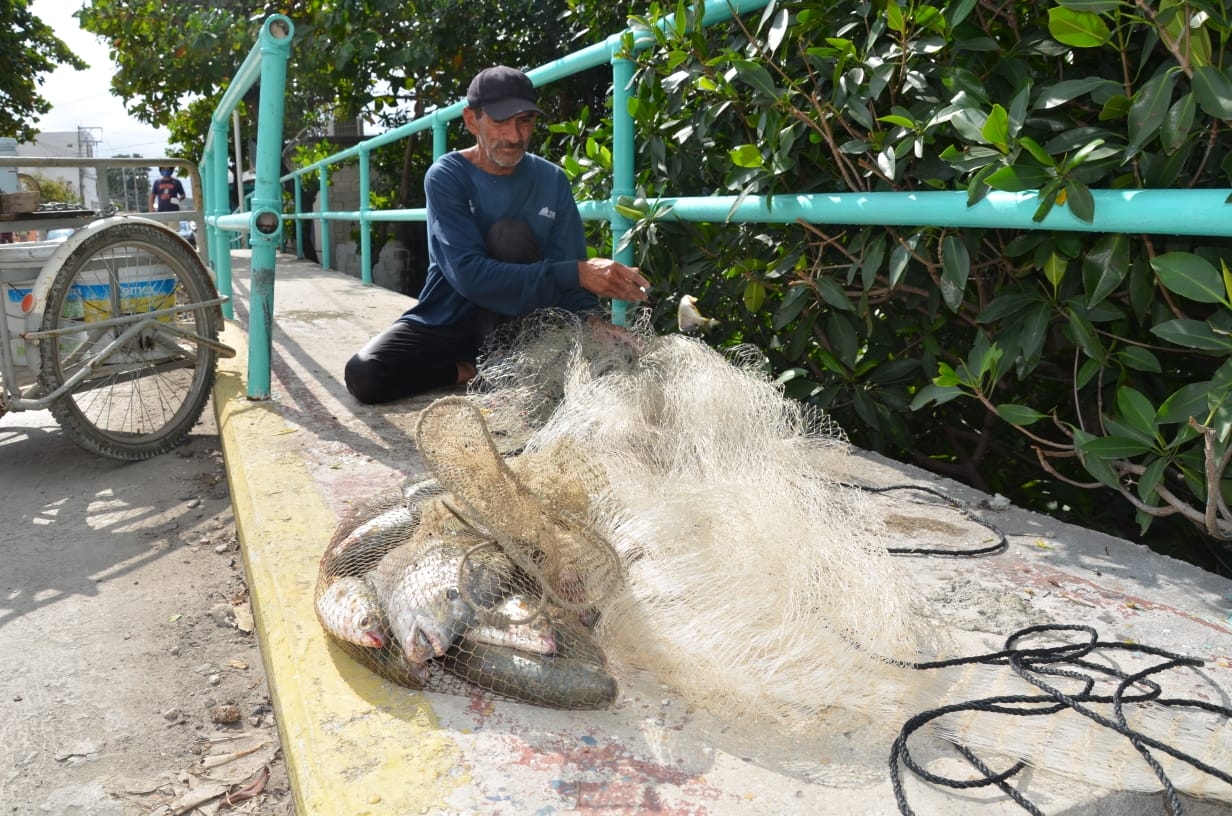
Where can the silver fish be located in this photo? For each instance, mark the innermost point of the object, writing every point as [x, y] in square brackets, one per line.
[355, 550]
[417, 491]
[349, 610]
[420, 587]
[574, 678]
[516, 624]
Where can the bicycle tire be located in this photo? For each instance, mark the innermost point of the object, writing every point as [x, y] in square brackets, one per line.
[144, 397]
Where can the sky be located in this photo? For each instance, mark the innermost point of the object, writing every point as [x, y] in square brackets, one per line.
[83, 98]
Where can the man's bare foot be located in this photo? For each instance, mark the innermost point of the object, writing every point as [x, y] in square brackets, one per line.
[466, 373]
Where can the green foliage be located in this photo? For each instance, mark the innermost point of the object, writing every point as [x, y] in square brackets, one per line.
[29, 48]
[1051, 367]
[382, 60]
[174, 58]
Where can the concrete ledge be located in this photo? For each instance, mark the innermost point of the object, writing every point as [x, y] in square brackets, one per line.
[356, 745]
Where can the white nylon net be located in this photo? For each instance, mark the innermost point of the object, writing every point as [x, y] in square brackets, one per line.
[742, 557]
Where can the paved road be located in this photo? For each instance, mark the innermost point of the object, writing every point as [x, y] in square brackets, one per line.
[122, 623]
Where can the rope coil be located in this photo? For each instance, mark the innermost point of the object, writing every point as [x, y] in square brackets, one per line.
[1035, 664]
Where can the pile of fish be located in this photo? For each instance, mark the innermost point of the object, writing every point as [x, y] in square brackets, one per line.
[413, 591]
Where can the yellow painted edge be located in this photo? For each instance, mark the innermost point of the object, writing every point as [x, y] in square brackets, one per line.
[354, 745]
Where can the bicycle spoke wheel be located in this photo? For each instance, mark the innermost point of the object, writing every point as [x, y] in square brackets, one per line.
[133, 341]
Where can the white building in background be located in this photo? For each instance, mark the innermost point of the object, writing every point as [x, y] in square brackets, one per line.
[79, 143]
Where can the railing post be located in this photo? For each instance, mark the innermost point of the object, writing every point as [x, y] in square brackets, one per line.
[440, 136]
[365, 231]
[622, 165]
[299, 222]
[218, 202]
[266, 203]
[325, 250]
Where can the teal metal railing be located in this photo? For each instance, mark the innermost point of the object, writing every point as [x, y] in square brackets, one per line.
[261, 218]
[1181, 212]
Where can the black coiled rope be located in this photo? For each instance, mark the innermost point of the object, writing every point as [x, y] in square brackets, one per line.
[1065, 661]
[1069, 661]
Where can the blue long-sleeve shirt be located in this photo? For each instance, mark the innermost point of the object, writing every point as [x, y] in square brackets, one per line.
[463, 202]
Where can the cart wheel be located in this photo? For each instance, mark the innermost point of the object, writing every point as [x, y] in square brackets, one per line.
[136, 288]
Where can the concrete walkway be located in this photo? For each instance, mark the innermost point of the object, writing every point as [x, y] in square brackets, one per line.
[358, 745]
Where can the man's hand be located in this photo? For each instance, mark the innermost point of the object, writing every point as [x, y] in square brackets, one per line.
[612, 279]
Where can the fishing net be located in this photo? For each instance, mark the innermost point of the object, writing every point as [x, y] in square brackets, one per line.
[743, 558]
[469, 582]
[527, 366]
[584, 453]
[549, 538]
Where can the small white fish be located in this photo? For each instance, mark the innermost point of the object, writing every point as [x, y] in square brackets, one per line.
[349, 610]
[689, 319]
[358, 549]
[514, 623]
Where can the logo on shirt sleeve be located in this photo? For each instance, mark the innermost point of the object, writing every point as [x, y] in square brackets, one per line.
[548, 214]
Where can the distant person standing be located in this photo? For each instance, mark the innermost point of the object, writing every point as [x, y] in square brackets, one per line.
[166, 193]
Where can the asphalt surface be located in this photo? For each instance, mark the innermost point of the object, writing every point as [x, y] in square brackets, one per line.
[122, 625]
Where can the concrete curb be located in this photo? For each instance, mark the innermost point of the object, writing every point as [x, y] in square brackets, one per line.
[326, 705]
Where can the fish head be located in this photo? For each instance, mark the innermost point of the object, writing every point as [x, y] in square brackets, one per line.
[427, 628]
[371, 632]
[430, 591]
[349, 610]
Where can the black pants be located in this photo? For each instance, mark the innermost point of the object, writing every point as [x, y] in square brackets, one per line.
[410, 358]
